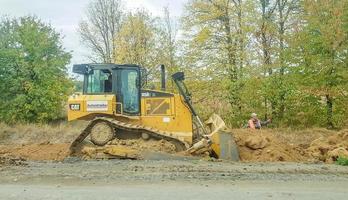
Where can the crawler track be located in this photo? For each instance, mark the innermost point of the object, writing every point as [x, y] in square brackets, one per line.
[179, 144]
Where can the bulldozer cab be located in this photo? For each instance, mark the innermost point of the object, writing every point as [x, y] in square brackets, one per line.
[121, 80]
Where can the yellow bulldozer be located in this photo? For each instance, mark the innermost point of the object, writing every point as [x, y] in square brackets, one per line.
[116, 105]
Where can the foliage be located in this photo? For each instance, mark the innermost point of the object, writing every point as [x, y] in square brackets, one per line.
[281, 59]
[322, 45]
[342, 161]
[136, 40]
[78, 85]
[104, 18]
[33, 83]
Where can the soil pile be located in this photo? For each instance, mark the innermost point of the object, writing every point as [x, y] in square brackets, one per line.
[264, 146]
[130, 149]
[46, 151]
[272, 145]
[328, 149]
[146, 145]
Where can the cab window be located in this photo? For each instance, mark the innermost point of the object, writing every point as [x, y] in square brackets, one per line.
[130, 91]
[99, 82]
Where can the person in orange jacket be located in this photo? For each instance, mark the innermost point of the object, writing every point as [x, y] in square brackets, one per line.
[255, 123]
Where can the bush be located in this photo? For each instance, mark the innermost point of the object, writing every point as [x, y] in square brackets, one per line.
[342, 161]
[34, 83]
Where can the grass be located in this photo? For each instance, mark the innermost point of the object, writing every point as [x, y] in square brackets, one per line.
[342, 161]
[35, 133]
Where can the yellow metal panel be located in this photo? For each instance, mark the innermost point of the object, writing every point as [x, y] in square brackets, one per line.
[179, 123]
[177, 119]
[90, 104]
[158, 106]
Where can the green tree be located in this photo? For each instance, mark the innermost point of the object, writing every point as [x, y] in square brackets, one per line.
[33, 83]
[217, 38]
[136, 40]
[322, 58]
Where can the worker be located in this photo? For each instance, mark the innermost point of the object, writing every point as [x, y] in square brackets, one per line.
[255, 123]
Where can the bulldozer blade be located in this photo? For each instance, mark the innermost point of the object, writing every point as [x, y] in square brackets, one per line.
[224, 146]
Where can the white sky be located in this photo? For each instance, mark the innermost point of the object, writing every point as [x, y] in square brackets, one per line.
[65, 15]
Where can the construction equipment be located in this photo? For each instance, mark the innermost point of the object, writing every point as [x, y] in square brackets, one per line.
[116, 106]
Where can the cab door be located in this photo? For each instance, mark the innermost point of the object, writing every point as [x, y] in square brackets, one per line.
[128, 90]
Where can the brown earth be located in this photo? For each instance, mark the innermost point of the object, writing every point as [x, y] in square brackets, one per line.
[127, 149]
[34, 142]
[270, 145]
[45, 151]
[146, 145]
[265, 146]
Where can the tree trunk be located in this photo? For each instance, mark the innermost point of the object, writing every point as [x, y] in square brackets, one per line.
[329, 111]
[281, 7]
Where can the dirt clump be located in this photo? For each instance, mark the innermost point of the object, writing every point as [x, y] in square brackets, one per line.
[145, 145]
[110, 152]
[263, 146]
[11, 161]
[129, 149]
[44, 151]
[256, 141]
[330, 148]
[335, 153]
[272, 145]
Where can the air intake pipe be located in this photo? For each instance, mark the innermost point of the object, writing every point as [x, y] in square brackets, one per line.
[163, 78]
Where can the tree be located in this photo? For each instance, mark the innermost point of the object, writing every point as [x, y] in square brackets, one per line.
[275, 30]
[323, 49]
[217, 40]
[33, 83]
[167, 47]
[265, 36]
[104, 19]
[285, 18]
[136, 40]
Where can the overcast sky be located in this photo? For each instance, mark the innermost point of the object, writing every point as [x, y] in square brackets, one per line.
[65, 15]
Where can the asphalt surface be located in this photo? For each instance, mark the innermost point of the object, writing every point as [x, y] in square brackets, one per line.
[172, 179]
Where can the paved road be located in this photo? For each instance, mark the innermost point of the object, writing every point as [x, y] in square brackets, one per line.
[170, 179]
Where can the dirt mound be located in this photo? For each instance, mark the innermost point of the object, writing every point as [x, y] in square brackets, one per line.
[45, 151]
[51, 142]
[328, 149]
[132, 149]
[256, 141]
[298, 146]
[264, 146]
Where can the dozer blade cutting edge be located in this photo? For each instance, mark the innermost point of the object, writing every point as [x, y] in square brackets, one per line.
[220, 141]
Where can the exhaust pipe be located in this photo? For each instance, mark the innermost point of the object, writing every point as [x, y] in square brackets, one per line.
[163, 78]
